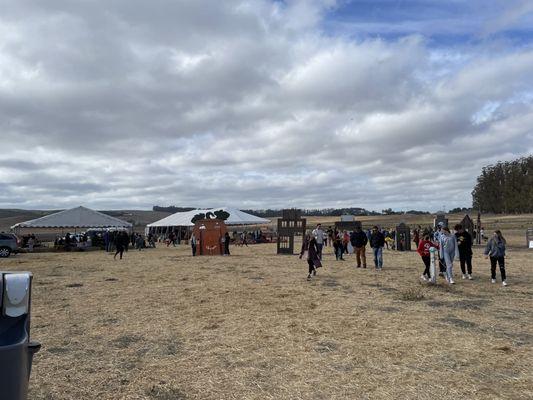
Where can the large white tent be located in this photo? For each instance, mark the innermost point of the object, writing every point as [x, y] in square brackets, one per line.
[78, 217]
[236, 217]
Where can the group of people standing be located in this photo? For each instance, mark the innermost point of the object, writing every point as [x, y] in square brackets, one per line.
[121, 241]
[313, 246]
[459, 246]
[450, 247]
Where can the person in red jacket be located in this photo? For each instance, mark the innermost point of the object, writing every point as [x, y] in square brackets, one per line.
[423, 250]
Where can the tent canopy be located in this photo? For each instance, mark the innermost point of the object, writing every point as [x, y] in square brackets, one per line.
[236, 217]
[79, 217]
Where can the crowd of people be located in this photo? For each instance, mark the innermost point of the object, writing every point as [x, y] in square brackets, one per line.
[451, 247]
[120, 241]
[72, 240]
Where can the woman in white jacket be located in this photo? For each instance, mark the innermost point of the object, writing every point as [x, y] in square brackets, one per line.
[448, 251]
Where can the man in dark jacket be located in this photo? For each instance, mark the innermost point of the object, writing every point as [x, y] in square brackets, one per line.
[377, 241]
[464, 244]
[359, 240]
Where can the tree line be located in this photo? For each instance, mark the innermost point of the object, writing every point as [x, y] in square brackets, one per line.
[324, 212]
[506, 187]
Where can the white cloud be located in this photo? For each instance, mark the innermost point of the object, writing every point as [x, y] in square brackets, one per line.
[245, 103]
[515, 11]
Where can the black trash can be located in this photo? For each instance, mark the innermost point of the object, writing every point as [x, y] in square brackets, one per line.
[16, 349]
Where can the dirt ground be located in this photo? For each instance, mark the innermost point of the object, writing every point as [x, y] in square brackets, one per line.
[160, 324]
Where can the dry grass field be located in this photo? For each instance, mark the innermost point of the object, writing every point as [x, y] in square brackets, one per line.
[163, 325]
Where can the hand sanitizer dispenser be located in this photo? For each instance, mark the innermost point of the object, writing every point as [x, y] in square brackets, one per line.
[16, 349]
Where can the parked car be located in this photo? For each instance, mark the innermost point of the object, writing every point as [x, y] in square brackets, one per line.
[9, 243]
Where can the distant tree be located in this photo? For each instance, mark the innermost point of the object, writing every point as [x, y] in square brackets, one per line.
[459, 210]
[325, 212]
[506, 187]
[416, 212]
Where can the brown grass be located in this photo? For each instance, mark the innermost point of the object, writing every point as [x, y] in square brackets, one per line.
[162, 325]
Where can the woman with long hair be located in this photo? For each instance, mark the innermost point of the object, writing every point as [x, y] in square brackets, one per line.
[495, 250]
[310, 249]
[423, 250]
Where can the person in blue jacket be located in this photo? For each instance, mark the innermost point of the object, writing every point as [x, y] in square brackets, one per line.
[495, 250]
[377, 241]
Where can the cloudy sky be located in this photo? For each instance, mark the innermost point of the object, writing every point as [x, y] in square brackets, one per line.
[260, 103]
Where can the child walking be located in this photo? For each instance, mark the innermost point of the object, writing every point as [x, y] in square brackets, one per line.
[423, 249]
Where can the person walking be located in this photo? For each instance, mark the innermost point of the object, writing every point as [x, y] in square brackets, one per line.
[193, 244]
[244, 239]
[464, 244]
[121, 242]
[423, 249]
[359, 240]
[448, 252]
[319, 234]
[337, 245]
[377, 241]
[125, 240]
[330, 236]
[139, 242]
[31, 243]
[416, 237]
[151, 242]
[436, 238]
[495, 250]
[171, 239]
[67, 242]
[227, 239]
[107, 241]
[310, 250]
[345, 241]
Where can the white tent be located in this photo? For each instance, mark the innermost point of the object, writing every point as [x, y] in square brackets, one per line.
[236, 217]
[79, 217]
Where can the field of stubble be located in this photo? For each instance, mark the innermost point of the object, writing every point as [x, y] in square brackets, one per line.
[163, 325]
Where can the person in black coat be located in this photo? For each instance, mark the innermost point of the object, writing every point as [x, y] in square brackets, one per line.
[121, 242]
[359, 240]
[464, 244]
[310, 247]
[67, 241]
[377, 241]
[227, 239]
